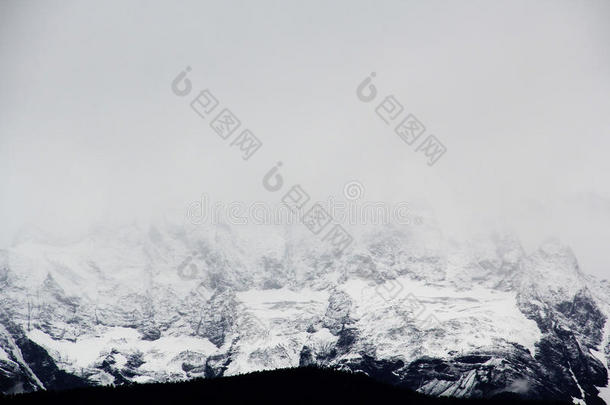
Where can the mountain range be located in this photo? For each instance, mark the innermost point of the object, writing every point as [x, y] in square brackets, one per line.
[405, 305]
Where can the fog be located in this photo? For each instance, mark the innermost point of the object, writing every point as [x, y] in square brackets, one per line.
[518, 92]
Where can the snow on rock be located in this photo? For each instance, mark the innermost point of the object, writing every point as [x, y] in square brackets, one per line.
[174, 302]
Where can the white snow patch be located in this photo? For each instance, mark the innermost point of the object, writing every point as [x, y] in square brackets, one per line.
[486, 315]
[157, 355]
[3, 355]
[269, 304]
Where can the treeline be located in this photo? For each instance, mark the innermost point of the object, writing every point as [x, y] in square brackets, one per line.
[306, 385]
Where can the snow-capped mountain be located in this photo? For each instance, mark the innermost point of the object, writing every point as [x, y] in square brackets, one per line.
[402, 304]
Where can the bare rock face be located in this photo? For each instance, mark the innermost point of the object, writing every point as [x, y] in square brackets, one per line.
[26, 366]
[405, 306]
[337, 314]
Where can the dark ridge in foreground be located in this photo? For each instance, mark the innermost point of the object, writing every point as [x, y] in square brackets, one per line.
[307, 385]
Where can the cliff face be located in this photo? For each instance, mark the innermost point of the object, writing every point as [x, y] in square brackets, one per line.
[402, 305]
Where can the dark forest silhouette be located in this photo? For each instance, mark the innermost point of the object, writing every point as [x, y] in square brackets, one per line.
[306, 385]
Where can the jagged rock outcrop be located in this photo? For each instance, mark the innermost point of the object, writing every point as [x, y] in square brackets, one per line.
[403, 305]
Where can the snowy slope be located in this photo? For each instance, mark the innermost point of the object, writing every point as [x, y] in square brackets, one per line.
[405, 305]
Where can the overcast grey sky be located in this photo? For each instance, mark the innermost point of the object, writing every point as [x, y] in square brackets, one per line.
[519, 93]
